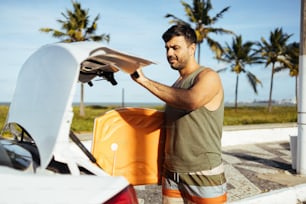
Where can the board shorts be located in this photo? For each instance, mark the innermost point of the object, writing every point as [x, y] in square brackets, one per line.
[203, 187]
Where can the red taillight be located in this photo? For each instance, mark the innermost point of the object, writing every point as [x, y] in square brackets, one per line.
[126, 196]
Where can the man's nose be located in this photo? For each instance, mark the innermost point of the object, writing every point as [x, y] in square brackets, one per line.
[169, 52]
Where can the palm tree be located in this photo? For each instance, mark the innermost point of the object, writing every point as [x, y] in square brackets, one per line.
[76, 27]
[240, 54]
[291, 62]
[273, 52]
[198, 13]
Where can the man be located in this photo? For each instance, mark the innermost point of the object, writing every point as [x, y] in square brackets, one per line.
[193, 169]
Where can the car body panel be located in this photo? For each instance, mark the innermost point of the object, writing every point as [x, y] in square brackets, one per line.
[54, 189]
[42, 102]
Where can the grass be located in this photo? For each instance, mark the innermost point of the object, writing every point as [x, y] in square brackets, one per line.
[259, 115]
[3, 113]
[243, 116]
[85, 123]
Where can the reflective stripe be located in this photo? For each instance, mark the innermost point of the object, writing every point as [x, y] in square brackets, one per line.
[174, 197]
[207, 191]
[196, 179]
[217, 170]
[170, 200]
[172, 193]
[170, 187]
[216, 200]
[202, 187]
[203, 180]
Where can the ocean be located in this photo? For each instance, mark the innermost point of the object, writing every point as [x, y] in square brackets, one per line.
[153, 104]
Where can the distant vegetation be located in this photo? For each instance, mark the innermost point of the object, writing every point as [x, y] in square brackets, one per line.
[259, 115]
[3, 113]
[243, 116]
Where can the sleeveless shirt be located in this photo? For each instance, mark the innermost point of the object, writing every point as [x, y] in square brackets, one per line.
[193, 138]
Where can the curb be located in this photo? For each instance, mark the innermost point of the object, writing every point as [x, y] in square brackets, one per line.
[288, 195]
[258, 135]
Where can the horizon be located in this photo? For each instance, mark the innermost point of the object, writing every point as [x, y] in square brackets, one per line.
[145, 104]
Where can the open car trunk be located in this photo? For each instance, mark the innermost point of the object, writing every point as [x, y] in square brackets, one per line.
[38, 124]
[42, 102]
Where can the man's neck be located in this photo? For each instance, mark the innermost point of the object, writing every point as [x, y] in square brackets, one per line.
[189, 69]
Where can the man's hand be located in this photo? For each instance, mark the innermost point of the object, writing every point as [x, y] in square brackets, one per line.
[138, 76]
[135, 75]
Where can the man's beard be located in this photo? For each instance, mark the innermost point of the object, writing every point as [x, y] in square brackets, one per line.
[177, 65]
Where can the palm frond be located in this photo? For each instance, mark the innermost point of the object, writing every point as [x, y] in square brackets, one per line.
[198, 14]
[175, 20]
[220, 14]
[222, 70]
[253, 80]
[215, 47]
[75, 26]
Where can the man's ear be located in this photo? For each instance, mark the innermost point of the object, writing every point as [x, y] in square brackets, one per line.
[193, 48]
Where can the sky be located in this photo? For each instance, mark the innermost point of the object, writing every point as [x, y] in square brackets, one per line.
[135, 27]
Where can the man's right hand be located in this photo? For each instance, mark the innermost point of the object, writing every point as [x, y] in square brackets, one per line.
[135, 75]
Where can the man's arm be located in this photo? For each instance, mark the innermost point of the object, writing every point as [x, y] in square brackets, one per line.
[206, 88]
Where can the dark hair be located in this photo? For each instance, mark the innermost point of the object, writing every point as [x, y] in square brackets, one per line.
[180, 30]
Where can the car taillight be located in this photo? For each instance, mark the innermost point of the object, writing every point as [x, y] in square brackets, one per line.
[126, 196]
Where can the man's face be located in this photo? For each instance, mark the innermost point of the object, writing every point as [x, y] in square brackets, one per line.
[178, 52]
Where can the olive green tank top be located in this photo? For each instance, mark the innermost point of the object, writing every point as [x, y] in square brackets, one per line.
[193, 138]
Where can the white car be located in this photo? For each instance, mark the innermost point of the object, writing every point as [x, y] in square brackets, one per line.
[35, 146]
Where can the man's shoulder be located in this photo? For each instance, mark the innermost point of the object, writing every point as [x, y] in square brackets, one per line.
[207, 71]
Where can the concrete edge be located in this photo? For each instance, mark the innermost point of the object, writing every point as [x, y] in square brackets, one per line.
[258, 126]
[293, 194]
[251, 136]
[230, 137]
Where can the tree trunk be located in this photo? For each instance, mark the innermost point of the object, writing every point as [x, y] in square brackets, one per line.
[271, 88]
[82, 111]
[296, 92]
[122, 98]
[236, 93]
[199, 52]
